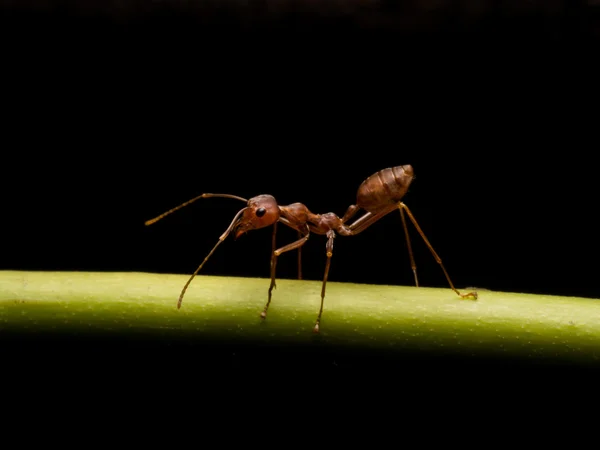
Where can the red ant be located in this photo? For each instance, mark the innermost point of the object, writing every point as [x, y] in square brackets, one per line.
[378, 195]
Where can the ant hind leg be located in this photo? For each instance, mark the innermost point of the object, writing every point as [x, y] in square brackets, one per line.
[469, 295]
[299, 258]
[413, 265]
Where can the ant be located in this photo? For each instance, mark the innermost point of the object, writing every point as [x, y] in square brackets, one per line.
[378, 195]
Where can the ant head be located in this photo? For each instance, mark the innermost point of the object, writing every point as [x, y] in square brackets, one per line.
[261, 212]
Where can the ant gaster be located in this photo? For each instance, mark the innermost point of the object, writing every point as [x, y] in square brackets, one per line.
[378, 195]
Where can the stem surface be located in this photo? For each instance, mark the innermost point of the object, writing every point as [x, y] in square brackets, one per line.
[355, 315]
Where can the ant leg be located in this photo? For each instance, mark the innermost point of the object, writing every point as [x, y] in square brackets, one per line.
[329, 249]
[294, 245]
[413, 265]
[273, 259]
[300, 235]
[300, 259]
[471, 295]
[221, 239]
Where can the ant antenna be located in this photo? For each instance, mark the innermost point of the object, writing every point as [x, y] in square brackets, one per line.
[221, 239]
[156, 219]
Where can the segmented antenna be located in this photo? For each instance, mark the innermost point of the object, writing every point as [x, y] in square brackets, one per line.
[156, 219]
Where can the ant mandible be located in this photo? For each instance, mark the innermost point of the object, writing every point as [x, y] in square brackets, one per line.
[378, 195]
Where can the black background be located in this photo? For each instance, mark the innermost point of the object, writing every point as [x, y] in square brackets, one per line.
[114, 114]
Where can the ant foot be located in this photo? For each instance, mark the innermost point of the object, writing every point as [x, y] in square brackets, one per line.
[263, 315]
[470, 296]
[316, 328]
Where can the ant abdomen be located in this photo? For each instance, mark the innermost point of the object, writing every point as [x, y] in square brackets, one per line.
[384, 188]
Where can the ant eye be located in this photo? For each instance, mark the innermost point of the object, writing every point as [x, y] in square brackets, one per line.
[260, 212]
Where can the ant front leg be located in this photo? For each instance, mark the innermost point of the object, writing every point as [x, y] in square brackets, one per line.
[294, 245]
[273, 259]
[329, 250]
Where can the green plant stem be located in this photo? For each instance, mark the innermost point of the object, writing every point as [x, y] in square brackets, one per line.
[372, 316]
